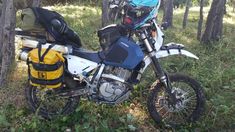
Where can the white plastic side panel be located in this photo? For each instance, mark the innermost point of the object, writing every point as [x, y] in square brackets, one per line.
[79, 66]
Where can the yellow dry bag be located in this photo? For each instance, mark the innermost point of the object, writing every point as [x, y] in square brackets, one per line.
[46, 67]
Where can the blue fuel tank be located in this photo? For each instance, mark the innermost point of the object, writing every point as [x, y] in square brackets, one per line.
[124, 53]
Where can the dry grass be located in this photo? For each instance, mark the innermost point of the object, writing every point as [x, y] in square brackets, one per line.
[13, 93]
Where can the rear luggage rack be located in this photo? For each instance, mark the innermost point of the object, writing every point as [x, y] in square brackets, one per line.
[30, 34]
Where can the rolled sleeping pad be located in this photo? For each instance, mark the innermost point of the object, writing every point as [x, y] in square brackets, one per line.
[34, 43]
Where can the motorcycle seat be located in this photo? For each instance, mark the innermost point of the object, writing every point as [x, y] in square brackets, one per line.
[87, 54]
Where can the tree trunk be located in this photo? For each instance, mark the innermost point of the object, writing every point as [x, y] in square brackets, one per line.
[36, 3]
[185, 20]
[218, 26]
[3, 12]
[8, 19]
[233, 5]
[105, 12]
[200, 22]
[214, 22]
[233, 8]
[21, 4]
[0, 9]
[168, 12]
[162, 4]
[210, 22]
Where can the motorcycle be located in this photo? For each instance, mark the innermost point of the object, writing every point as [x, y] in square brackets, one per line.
[112, 11]
[116, 9]
[108, 76]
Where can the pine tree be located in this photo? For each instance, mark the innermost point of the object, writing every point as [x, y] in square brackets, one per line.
[105, 12]
[7, 37]
[185, 20]
[214, 24]
[200, 22]
[168, 12]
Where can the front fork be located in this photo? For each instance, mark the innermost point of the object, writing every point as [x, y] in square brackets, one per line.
[159, 72]
[164, 79]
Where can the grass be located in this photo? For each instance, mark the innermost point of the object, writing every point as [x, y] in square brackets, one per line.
[215, 70]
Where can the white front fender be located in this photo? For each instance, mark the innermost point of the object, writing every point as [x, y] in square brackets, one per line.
[174, 49]
[168, 50]
[165, 53]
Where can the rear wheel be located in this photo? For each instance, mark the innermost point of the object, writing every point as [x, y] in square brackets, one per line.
[189, 107]
[48, 104]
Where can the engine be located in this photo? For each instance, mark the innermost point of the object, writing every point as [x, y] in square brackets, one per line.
[112, 88]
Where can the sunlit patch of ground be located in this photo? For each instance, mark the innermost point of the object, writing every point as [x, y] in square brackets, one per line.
[75, 12]
[140, 114]
[229, 17]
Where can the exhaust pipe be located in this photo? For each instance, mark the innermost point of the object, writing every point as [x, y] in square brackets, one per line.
[23, 55]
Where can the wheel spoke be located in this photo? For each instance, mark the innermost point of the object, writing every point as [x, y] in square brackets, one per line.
[190, 107]
[185, 113]
[160, 109]
[191, 97]
[165, 114]
[169, 117]
[48, 102]
[188, 94]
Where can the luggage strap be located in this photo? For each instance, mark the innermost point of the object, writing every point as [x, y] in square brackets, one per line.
[46, 82]
[41, 57]
[46, 67]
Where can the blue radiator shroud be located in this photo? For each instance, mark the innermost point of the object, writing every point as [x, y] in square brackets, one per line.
[124, 53]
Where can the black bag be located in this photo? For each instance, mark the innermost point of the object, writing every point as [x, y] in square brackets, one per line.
[110, 34]
[55, 25]
[45, 18]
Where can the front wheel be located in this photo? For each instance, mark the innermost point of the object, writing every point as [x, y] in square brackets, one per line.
[189, 106]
